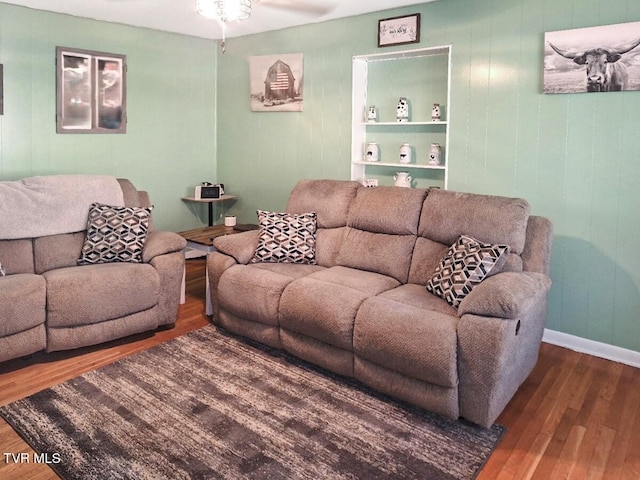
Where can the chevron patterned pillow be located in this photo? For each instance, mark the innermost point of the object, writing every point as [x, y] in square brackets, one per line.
[465, 265]
[286, 238]
[115, 234]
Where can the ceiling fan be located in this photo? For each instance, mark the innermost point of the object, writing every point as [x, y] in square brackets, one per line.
[231, 10]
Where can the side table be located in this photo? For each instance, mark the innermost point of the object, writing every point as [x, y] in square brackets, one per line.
[202, 239]
[210, 201]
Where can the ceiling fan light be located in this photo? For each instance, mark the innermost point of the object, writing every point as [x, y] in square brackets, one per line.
[224, 10]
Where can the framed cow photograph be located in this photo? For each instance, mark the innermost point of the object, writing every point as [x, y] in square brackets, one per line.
[595, 59]
[276, 82]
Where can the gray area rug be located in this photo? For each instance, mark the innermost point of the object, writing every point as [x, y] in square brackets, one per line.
[209, 405]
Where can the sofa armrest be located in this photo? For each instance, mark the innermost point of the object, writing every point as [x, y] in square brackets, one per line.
[240, 246]
[499, 335]
[508, 295]
[160, 243]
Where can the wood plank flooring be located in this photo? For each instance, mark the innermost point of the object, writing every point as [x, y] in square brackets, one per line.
[576, 416]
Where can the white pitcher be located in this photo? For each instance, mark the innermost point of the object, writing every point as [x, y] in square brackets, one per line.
[402, 179]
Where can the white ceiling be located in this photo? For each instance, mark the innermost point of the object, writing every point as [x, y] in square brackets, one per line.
[179, 16]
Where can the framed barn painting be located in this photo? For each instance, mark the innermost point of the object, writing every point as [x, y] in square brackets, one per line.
[91, 92]
[595, 59]
[276, 82]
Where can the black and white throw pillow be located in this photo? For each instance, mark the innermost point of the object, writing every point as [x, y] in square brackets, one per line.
[465, 265]
[115, 234]
[286, 238]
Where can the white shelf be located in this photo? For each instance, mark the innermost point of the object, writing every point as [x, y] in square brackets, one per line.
[400, 165]
[402, 124]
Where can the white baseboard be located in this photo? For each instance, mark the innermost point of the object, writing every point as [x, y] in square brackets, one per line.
[591, 347]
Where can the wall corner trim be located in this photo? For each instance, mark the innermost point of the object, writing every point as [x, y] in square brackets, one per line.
[591, 347]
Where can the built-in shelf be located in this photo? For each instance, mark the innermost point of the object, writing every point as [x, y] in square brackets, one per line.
[421, 75]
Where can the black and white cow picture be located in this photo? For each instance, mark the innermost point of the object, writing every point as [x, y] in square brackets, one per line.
[604, 58]
[605, 72]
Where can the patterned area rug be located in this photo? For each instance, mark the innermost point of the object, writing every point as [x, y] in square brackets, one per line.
[209, 405]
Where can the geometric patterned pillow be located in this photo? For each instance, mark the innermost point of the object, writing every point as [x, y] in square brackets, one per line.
[465, 265]
[115, 234]
[286, 238]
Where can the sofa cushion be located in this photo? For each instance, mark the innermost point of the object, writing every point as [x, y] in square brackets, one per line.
[96, 293]
[22, 302]
[57, 251]
[330, 199]
[417, 342]
[377, 252]
[115, 234]
[417, 296]
[491, 219]
[323, 305]
[425, 259]
[382, 231]
[465, 265]
[391, 210]
[17, 256]
[286, 238]
[253, 291]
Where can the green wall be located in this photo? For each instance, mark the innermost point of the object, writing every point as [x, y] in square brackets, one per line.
[574, 157]
[170, 141]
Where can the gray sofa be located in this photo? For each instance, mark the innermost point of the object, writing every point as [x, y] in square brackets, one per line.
[363, 310]
[48, 301]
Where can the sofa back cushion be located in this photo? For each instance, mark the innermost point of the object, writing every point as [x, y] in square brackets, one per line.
[490, 219]
[17, 256]
[381, 230]
[57, 251]
[330, 200]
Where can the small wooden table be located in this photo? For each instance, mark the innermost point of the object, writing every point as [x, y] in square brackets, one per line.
[202, 239]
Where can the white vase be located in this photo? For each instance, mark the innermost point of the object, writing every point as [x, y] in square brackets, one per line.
[372, 114]
[435, 112]
[434, 154]
[372, 152]
[402, 110]
[405, 153]
[402, 179]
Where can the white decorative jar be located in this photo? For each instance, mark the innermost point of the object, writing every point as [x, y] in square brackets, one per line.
[434, 154]
[435, 112]
[402, 179]
[402, 110]
[405, 153]
[372, 153]
[372, 114]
